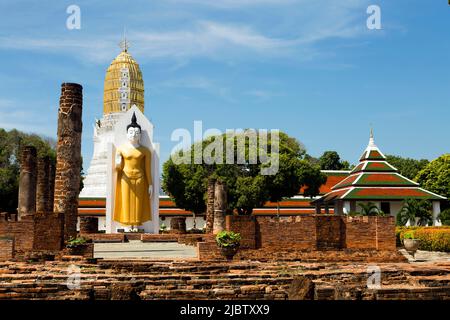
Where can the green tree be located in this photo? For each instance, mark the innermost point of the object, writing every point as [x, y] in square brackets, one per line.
[406, 166]
[186, 184]
[416, 212]
[444, 217]
[330, 160]
[246, 187]
[370, 209]
[11, 146]
[435, 177]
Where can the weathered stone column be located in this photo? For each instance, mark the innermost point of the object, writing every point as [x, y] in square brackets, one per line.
[51, 186]
[88, 225]
[68, 156]
[210, 206]
[27, 182]
[220, 206]
[177, 225]
[42, 190]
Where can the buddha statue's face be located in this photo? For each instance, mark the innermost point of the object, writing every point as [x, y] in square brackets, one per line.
[134, 135]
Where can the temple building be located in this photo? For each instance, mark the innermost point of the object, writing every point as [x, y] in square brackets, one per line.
[375, 180]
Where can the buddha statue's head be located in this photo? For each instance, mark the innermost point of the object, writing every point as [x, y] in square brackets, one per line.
[134, 130]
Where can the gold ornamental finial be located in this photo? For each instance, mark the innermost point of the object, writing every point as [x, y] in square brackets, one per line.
[124, 44]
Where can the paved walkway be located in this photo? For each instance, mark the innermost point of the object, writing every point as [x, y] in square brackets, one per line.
[141, 250]
[427, 256]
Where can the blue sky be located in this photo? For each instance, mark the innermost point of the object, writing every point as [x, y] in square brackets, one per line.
[310, 68]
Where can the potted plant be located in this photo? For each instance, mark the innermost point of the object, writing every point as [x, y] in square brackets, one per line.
[411, 244]
[163, 228]
[228, 242]
[77, 246]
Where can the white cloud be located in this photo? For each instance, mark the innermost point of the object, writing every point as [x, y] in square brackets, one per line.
[292, 29]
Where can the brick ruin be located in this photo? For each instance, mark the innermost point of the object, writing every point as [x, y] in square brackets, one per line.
[48, 196]
[68, 156]
[274, 237]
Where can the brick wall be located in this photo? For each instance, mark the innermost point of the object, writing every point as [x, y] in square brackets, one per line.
[330, 231]
[286, 235]
[295, 232]
[88, 225]
[34, 233]
[6, 249]
[386, 233]
[21, 231]
[49, 232]
[360, 232]
[246, 226]
[208, 250]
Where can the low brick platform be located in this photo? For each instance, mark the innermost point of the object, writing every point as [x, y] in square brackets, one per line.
[188, 239]
[105, 237]
[127, 280]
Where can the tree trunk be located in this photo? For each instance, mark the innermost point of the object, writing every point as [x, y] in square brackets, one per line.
[210, 206]
[220, 206]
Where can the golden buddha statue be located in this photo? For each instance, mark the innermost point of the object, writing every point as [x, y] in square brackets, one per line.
[134, 179]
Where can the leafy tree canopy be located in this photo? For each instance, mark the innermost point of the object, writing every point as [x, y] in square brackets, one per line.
[435, 177]
[407, 167]
[11, 146]
[330, 160]
[246, 187]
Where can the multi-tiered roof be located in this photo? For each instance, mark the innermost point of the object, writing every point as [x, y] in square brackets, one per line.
[375, 179]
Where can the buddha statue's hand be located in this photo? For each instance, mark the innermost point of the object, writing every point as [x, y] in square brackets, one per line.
[118, 160]
[150, 191]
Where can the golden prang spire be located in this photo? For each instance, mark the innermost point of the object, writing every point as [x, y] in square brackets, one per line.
[124, 85]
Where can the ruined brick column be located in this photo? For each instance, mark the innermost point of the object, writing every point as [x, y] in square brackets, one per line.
[27, 182]
[210, 206]
[42, 190]
[68, 156]
[220, 206]
[51, 186]
[88, 224]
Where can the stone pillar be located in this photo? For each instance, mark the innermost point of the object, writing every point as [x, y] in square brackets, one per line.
[220, 206]
[27, 182]
[436, 212]
[51, 186]
[88, 225]
[210, 206]
[68, 156]
[177, 225]
[42, 190]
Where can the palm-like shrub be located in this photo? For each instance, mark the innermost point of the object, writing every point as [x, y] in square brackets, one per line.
[415, 210]
[370, 209]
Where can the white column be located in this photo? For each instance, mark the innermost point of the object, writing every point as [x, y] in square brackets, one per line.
[436, 212]
[347, 208]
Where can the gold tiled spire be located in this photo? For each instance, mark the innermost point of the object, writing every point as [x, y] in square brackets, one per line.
[124, 85]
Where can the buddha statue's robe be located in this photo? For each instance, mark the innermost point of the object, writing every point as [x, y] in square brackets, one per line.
[132, 200]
